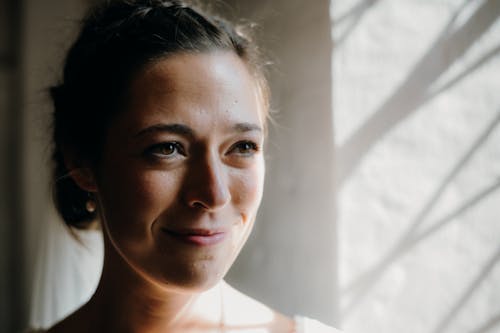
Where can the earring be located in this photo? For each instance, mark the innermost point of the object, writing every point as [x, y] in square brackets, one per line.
[90, 205]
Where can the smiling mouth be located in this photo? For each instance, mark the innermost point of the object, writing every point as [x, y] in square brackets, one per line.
[199, 237]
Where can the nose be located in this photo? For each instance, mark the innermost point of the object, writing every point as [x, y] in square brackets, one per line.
[206, 185]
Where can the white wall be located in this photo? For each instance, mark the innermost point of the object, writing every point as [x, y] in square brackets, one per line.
[416, 114]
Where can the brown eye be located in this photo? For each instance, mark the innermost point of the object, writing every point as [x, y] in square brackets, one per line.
[245, 148]
[165, 150]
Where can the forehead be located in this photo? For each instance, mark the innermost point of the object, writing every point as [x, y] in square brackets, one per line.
[209, 84]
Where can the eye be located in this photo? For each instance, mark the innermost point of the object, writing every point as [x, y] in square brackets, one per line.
[165, 150]
[244, 148]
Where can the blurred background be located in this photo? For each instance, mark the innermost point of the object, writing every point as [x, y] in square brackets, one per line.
[382, 204]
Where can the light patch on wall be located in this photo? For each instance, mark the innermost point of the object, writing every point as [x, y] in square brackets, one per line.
[417, 121]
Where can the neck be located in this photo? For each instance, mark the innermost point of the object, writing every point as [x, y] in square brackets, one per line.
[127, 302]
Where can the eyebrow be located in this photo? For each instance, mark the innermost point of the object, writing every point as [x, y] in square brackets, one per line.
[187, 131]
[247, 127]
[169, 128]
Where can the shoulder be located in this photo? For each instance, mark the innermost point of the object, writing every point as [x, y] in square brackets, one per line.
[308, 325]
[245, 313]
[242, 312]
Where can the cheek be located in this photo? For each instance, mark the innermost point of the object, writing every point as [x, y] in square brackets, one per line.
[156, 190]
[247, 190]
[246, 196]
[133, 199]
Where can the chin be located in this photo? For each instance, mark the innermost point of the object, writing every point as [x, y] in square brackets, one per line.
[193, 269]
[193, 277]
[195, 282]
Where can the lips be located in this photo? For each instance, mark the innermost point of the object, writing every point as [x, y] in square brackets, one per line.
[199, 237]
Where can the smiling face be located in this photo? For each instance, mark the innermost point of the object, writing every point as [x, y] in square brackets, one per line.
[182, 169]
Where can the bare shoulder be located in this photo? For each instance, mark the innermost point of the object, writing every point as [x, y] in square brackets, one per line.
[242, 312]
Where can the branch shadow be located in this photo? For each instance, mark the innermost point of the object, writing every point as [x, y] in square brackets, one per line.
[355, 11]
[478, 63]
[420, 217]
[413, 92]
[473, 286]
[368, 279]
[491, 323]
[352, 18]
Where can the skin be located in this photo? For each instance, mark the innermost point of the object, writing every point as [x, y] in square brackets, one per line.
[185, 154]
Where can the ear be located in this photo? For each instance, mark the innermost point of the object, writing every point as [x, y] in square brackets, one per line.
[84, 178]
[81, 172]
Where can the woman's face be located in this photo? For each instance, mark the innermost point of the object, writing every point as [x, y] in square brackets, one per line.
[182, 171]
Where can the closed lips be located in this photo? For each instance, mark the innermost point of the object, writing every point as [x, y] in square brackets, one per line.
[193, 232]
[200, 237]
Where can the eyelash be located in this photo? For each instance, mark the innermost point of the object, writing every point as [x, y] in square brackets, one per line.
[250, 149]
[155, 150]
[241, 148]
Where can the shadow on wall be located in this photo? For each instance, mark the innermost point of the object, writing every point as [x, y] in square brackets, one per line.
[350, 20]
[416, 89]
[413, 236]
[421, 85]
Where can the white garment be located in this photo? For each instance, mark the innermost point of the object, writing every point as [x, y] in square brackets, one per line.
[308, 325]
[66, 272]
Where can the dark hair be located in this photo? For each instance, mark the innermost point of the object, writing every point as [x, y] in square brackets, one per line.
[118, 39]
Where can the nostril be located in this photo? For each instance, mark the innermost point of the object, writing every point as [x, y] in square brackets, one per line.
[198, 204]
[207, 186]
[207, 200]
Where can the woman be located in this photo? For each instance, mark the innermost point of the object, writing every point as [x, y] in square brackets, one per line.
[159, 128]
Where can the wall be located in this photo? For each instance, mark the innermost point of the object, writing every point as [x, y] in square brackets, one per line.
[416, 113]
[290, 260]
[46, 289]
[11, 254]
